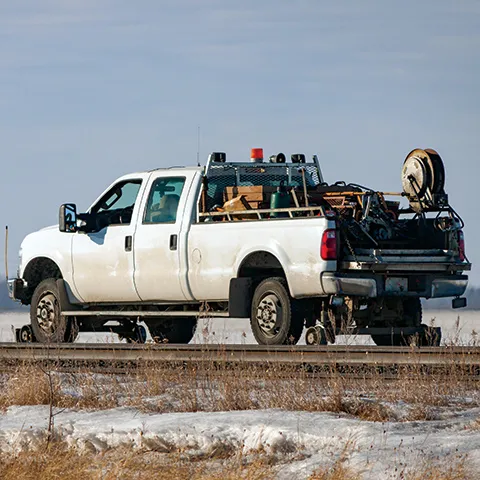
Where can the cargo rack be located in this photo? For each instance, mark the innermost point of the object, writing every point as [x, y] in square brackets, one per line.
[265, 213]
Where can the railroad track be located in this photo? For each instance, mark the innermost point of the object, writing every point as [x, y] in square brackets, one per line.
[118, 356]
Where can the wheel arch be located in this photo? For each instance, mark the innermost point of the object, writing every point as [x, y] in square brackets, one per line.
[255, 266]
[261, 263]
[38, 269]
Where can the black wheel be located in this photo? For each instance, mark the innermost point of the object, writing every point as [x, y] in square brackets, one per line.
[139, 335]
[391, 340]
[47, 324]
[172, 330]
[412, 317]
[275, 319]
[316, 336]
[26, 334]
[430, 337]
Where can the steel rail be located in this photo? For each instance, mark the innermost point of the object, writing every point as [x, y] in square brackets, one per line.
[465, 356]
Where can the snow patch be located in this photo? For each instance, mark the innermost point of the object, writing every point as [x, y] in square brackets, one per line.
[301, 440]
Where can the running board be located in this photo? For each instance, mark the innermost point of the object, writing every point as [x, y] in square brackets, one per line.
[134, 313]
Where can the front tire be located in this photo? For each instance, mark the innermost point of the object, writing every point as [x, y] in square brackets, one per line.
[48, 325]
[274, 318]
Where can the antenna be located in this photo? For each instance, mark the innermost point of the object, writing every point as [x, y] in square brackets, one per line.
[6, 252]
[198, 145]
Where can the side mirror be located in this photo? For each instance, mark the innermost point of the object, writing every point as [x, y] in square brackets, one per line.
[67, 217]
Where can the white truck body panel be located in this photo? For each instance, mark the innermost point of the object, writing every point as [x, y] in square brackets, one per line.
[216, 251]
[102, 270]
[160, 272]
[48, 243]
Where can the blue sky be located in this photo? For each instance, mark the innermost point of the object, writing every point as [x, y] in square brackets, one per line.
[90, 90]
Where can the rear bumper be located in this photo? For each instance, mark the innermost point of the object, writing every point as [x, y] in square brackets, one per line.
[373, 285]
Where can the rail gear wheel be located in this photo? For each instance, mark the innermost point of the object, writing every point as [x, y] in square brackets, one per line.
[429, 337]
[25, 335]
[172, 330]
[411, 317]
[138, 335]
[275, 319]
[316, 336]
[48, 325]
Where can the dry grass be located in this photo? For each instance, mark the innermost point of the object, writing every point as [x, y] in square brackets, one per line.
[214, 386]
[336, 472]
[27, 386]
[453, 468]
[58, 461]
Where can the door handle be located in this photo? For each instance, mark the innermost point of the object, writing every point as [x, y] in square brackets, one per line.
[173, 242]
[128, 243]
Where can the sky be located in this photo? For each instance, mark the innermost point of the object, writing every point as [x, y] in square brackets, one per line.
[91, 90]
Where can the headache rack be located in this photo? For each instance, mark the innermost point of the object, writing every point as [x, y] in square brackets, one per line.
[220, 175]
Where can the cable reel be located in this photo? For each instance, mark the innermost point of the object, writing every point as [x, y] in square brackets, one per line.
[423, 180]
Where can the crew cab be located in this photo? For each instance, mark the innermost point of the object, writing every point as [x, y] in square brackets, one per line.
[265, 240]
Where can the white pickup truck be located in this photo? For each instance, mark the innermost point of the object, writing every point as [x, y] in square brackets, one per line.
[269, 241]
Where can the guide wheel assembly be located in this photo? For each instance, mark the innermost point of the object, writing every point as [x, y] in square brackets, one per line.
[423, 179]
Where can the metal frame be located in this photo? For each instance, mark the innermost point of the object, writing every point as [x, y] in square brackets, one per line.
[265, 211]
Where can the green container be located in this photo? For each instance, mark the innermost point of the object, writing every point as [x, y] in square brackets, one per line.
[280, 199]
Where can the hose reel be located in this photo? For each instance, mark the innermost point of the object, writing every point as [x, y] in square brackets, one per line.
[423, 180]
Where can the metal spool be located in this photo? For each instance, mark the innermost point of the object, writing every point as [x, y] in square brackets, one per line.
[415, 176]
[438, 170]
[431, 176]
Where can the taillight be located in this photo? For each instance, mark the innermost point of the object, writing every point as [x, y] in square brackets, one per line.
[461, 245]
[328, 250]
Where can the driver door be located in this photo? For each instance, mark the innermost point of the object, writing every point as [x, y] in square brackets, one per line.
[103, 264]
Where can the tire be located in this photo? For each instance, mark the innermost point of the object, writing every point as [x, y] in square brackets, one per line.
[316, 336]
[275, 318]
[47, 324]
[412, 310]
[26, 334]
[176, 330]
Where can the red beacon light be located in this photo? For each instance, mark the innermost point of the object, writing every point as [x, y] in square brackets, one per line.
[256, 155]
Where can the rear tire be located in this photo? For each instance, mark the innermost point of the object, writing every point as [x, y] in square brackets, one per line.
[275, 317]
[175, 330]
[48, 325]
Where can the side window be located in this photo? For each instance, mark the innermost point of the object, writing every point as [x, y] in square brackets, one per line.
[163, 200]
[116, 206]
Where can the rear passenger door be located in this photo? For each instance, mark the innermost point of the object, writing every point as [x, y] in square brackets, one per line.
[160, 238]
